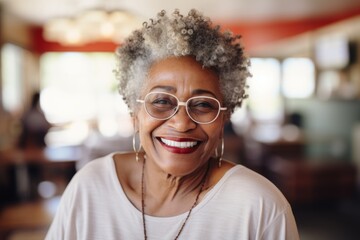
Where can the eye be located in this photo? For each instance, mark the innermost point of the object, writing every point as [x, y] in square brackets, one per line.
[203, 105]
[163, 102]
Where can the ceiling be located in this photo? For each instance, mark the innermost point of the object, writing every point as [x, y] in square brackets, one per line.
[39, 11]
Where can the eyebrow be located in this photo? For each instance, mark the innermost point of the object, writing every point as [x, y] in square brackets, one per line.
[166, 88]
[172, 90]
[203, 91]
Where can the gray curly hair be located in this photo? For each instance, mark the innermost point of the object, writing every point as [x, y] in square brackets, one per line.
[178, 35]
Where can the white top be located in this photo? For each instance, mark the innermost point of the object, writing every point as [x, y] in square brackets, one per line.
[242, 205]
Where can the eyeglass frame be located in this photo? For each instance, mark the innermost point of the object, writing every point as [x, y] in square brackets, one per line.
[181, 103]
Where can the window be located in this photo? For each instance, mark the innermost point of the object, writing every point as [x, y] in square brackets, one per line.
[80, 89]
[12, 59]
[265, 102]
[298, 78]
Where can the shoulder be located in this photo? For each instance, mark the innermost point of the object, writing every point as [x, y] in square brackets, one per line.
[256, 202]
[95, 180]
[95, 173]
[97, 165]
[113, 166]
[108, 161]
[248, 205]
[251, 188]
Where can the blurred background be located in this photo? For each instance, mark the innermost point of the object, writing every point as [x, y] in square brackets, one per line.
[300, 126]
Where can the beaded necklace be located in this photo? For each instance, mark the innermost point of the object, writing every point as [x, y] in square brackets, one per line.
[188, 215]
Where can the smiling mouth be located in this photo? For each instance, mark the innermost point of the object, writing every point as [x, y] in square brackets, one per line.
[179, 144]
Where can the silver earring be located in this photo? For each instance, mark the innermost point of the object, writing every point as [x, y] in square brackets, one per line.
[221, 152]
[136, 150]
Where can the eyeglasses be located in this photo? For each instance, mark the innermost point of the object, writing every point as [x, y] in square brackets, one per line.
[201, 109]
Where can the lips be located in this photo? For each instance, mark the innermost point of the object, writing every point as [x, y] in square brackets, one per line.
[181, 146]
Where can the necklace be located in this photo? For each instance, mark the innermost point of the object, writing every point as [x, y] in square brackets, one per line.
[188, 215]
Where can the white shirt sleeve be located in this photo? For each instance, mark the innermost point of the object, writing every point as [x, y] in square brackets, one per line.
[283, 227]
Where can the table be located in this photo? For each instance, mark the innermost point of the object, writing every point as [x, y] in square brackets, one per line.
[22, 170]
[309, 181]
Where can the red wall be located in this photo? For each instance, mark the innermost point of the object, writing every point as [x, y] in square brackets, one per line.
[254, 33]
[257, 34]
[40, 45]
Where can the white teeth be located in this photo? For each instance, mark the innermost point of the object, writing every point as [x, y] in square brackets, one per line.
[178, 144]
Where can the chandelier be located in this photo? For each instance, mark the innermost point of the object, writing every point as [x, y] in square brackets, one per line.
[91, 26]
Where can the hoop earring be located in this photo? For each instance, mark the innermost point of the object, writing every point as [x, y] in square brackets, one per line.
[136, 150]
[221, 152]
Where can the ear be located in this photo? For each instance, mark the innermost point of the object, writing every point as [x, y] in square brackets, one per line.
[225, 120]
[226, 117]
[221, 135]
[135, 122]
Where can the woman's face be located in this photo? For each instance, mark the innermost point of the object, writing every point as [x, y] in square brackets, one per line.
[184, 78]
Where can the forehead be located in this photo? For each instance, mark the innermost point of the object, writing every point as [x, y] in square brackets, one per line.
[182, 74]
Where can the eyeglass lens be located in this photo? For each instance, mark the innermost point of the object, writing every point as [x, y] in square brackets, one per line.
[163, 106]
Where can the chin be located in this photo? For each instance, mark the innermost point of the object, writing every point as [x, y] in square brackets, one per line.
[180, 166]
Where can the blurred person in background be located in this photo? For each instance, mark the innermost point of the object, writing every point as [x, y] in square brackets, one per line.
[34, 125]
[181, 78]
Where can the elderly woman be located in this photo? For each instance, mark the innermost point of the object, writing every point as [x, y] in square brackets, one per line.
[181, 78]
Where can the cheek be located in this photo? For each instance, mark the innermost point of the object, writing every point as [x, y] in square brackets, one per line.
[214, 132]
[214, 140]
[146, 126]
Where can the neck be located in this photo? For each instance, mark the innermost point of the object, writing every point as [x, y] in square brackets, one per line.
[143, 194]
[159, 183]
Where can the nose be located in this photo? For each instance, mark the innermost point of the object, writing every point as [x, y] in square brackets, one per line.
[181, 120]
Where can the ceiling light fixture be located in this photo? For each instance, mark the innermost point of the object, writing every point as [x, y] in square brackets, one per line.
[91, 26]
